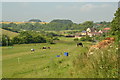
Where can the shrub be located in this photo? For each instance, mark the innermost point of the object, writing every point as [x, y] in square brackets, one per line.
[49, 40]
[83, 39]
[26, 38]
[76, 39]
[86, 38]
[56, 38]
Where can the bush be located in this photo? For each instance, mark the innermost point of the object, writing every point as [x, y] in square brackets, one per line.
[26, 37]
[76, 39]
[49, 40]
[55, 38]
[86, 38]
[39, 39]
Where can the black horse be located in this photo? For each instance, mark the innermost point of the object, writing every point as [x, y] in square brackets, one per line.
[79, 44]
[44, 47]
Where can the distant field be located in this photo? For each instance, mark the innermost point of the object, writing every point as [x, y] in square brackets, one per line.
[8, 33]
[20, 62]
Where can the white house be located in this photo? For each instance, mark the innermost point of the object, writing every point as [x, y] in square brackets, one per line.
[91, 31]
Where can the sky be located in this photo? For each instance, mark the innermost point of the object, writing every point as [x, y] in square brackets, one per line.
[78, 12]
[59, 0]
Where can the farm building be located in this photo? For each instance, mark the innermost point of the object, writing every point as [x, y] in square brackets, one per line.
[92, 32]
[105, 30]
[83, 33]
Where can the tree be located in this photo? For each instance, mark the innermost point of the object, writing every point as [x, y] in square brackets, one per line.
[27, 37]
[12, 25]
[17, 40]
[88, 24]
[39, 39]
[56, 25]
[28, 26]
[115, 24]
[49, 40]
[37, 26]
[6, 41]
[86, 38]
[83, 39]
[51, 34]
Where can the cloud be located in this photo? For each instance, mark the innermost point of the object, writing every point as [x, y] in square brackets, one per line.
[105, 5]
[91, 7]
[87, 7]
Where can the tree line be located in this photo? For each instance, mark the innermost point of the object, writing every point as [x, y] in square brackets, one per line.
[27, 37]
[55, 25]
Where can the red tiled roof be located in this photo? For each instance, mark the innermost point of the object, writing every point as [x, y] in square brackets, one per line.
[106, 28]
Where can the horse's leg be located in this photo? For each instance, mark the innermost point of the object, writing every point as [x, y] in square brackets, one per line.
[77, 45]
[82, 45]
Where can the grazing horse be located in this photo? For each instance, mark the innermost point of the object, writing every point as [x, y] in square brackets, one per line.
[44, 48]
[32, 50]
[49, 48]
[79, 44]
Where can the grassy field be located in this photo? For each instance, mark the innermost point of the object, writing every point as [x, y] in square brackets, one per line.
[19, 61]
[8, 33]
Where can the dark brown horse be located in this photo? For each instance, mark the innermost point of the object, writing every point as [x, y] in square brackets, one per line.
[79, 44]
[44, 48]
[49, 48]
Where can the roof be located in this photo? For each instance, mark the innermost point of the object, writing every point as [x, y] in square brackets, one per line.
[83, 31]
[106, 28]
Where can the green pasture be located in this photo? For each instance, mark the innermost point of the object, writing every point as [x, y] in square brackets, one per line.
[8, 33]
[20, 62]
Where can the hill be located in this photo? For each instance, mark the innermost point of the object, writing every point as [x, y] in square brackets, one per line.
[34, 20]
[62, 21]
[8, 33]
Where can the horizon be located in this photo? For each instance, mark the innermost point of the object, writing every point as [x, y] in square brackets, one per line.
[54, 19]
